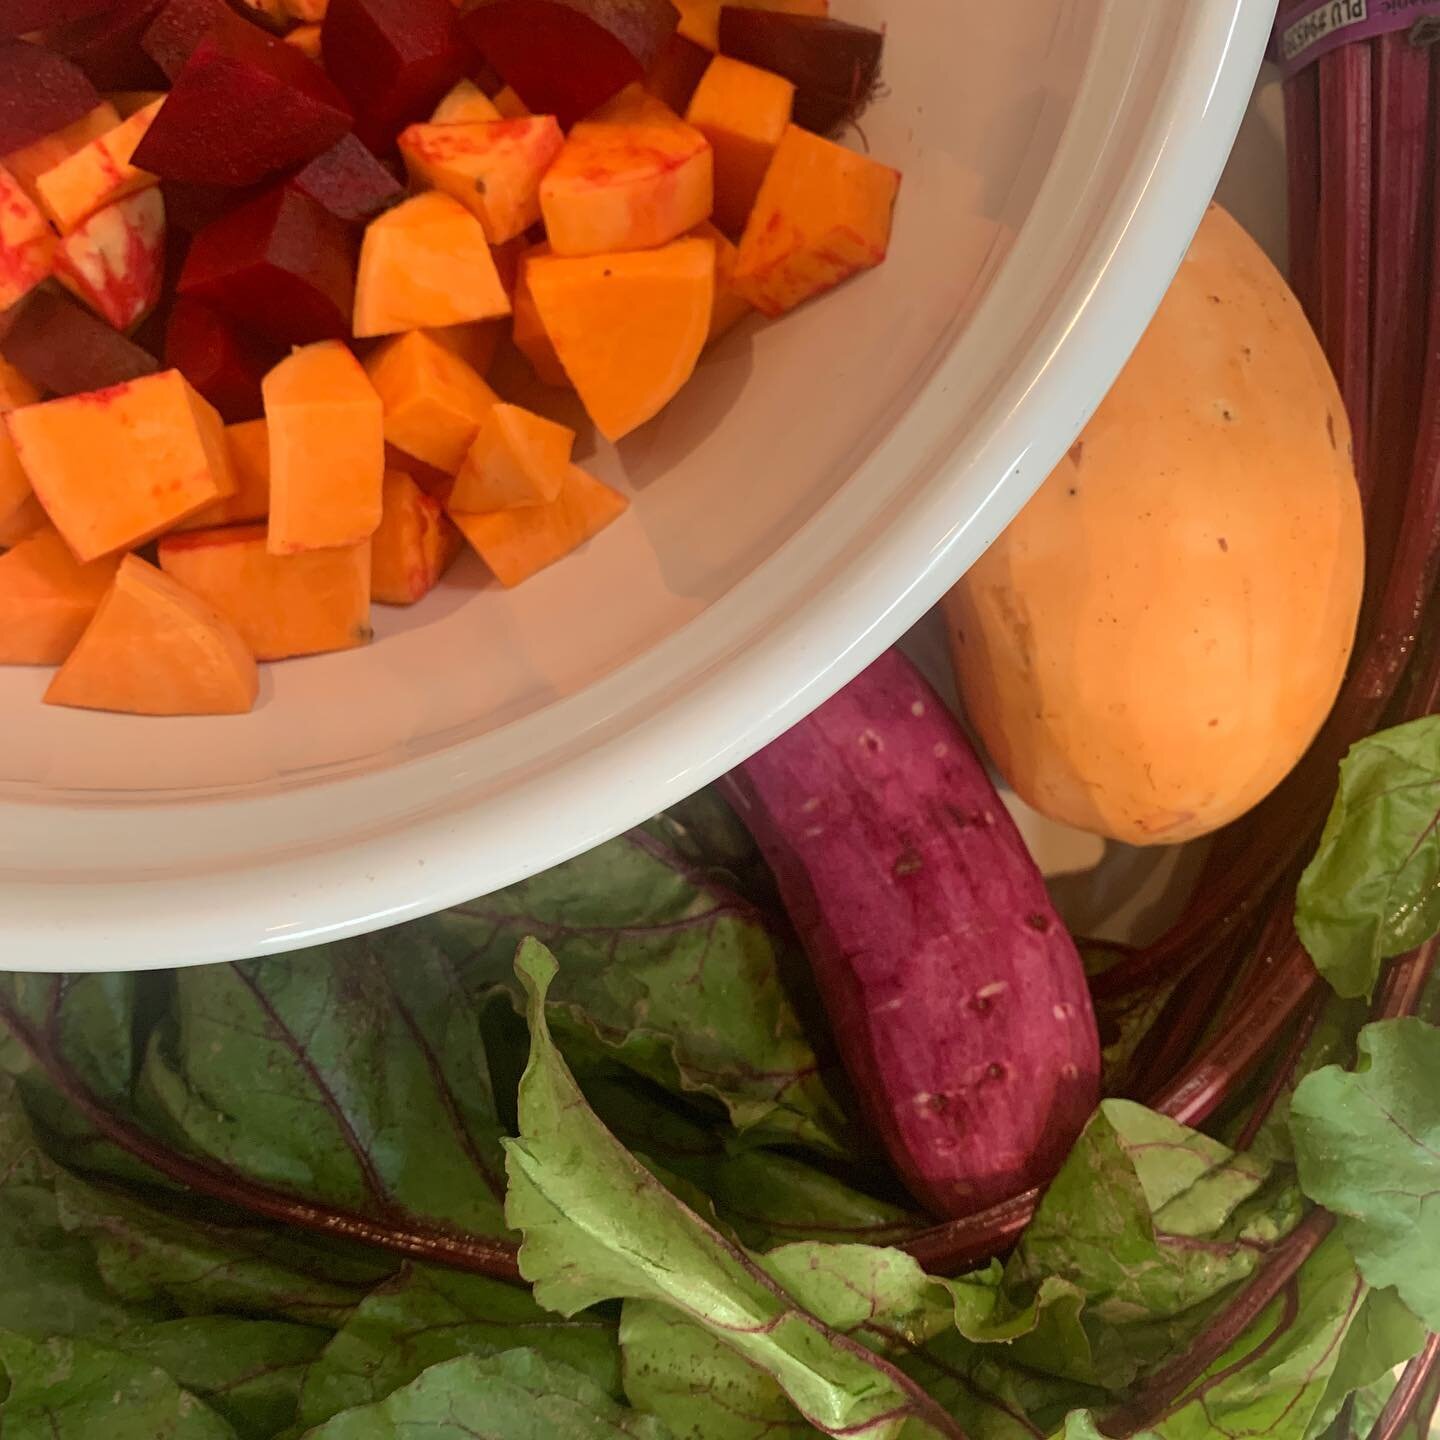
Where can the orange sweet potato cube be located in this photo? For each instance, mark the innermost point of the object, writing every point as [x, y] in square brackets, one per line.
[632, 176]
[434, 402]
[327, 450]
[627, 328]
[822, 215]
[510, 105]
[153, 648]
[517, 458]
[492, 167]
[27, 244]
[115, 467]
[414, 546]
[742, 111]
[466, 101]
[528, 331]
[21, 523]
[249, 446]
[20, 513]
[31, 161]
[517, 544]
[282, 605]
[306, 39]
[426, 263]
[98, 174]
[47, 598]
[730, 306]
[115, 261]
[475, 344]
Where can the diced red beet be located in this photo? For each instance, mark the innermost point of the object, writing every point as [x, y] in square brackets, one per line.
[349, 181]
[20, 17]
[222, 361]
[834, 66]
[676, 75]
[280, 265]
[40, 92]
[567, 57]
[244, 106]
[172, 36]
[190, 208]
[957, 998]
[60, 346]
[394, 59]
[107, 46]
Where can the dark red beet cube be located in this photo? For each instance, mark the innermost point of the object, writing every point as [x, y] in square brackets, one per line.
[676, 75]
[107, 46]
[244, 106]
[178, 29]
[61, 346]
[189, 208]
[40, 92]
[394, 59]
[280, 265]
[834, 66]
[349, 182]
[566, 57]
[223, 362]
[20, 17]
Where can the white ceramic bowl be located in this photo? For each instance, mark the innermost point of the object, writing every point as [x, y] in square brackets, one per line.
[812, 493]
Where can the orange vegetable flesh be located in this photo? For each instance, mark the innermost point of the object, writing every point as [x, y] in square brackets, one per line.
[414, 546]
[434, 402]
[742, 111]
[281, 605]
[531, 338]
[327, 450]
[22, 522]
[17, 503]
[47, 598]
[306, 39]
[517, 544]
[627, 328]
[510, 105]
[475, 344]
[730, 306]
[31, 161]
[127, 102]
[27, 244]
[492, 167]
[700, 19]
[114, 468]
[517, 458]
[822, 215]
[153, 648]
[249, 446]
[467, 101]
[98, 174]
[631, 177]
[426, 263]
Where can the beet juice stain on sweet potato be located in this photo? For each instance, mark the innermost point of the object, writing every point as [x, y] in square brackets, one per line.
[957, 998]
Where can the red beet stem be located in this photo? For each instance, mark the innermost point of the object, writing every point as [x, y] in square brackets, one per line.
[1302, 138]
[1414, 1398]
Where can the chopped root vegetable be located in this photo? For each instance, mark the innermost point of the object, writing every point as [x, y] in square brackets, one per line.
[98, 174]
[22, 522]
[434, 402]
[115, 261]
[115, 467]
[529, 334]
[31, 161]
[67, 349]
[627, 328]
[492, 167]
[249, 446]
[823, 214]
[517, 458]
[475, 343]
[17, 502]
[700, 19]
[281, 605]
[426, 263]
[47, 598]
[153, 648]
[730, 307]
[631, 177]
[27, 244]
[517, 544]
[414, 546]
[327, 450]
[466, 102]
[957, 998]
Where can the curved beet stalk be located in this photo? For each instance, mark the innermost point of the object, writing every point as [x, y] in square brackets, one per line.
[1415, 1397]
[957, 999]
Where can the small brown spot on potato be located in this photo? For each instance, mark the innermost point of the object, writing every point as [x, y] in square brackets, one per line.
[1077, 453]
[1330, 429]
[1224, 544]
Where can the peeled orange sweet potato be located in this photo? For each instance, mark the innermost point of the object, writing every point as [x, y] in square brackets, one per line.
[413, 547]
[1153, 643]
[47, 598]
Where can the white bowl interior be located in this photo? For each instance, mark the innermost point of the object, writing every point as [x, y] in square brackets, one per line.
[778, 418]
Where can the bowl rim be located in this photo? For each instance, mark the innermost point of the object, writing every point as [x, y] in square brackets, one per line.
[411, 839]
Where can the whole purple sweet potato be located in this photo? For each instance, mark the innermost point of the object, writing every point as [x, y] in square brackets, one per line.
[957, 998]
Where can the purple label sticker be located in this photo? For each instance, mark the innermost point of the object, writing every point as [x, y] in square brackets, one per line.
[1304, 34]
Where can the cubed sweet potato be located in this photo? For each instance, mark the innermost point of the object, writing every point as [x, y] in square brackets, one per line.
[27, 244]
[31, 161]
[282, 605]
[627, 328]
[47, 598]
[249, 446]
[465, 102]
[492, 167]
[414, 546]
[475, 343]
[516, 458]
[528, 332]
[327, 450]
[517, 544]
[18, 507]
[730, 306]
[631, 177]
[434, 402]
[822, 215]
[114, 468]
[426, 263]
[153, 648]
[115, 261]
[98, 174]
[309, 41]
